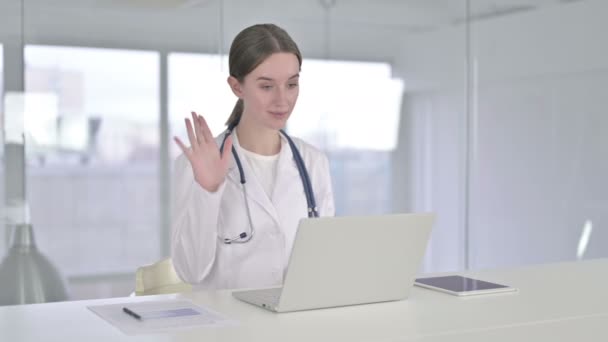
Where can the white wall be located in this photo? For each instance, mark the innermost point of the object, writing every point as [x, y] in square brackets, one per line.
[194, 29]
[538, 99]
[429, 165]
[558, 39]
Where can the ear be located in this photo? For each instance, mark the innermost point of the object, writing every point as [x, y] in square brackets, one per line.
[235, 86]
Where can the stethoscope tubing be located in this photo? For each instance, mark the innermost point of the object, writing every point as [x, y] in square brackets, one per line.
[312, 209]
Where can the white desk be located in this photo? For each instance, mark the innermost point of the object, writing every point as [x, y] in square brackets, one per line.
[588, 328]
[564, 301]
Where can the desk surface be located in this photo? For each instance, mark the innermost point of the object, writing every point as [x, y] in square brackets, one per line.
[555, 302]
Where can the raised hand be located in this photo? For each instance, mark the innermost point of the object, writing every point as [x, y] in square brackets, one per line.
[209, 167]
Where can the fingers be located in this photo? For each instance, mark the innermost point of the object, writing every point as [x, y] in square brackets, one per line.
[208, 136]
[197, 127]
[199, 133]
[183, 147]
[191, 136]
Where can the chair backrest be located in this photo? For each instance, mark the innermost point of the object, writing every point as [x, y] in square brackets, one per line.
[159, 278]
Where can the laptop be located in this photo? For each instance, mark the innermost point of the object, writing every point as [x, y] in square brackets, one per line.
[339, 261]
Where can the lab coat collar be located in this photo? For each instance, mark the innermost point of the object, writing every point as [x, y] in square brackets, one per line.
[285, 171]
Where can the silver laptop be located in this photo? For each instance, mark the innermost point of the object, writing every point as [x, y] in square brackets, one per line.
[338, 261]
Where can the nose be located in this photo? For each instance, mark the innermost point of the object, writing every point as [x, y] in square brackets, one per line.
[281, 97]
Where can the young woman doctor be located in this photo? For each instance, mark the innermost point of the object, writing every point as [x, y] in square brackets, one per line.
[239, 197]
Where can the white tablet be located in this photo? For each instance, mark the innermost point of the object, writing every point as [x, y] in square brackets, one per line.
[462, 286]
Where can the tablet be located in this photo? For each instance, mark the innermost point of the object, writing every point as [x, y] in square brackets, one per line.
[462, 286]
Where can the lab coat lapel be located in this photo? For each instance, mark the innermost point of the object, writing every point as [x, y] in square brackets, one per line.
[255, 191]
[287, 173]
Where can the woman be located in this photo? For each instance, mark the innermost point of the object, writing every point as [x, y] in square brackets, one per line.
[239, 197]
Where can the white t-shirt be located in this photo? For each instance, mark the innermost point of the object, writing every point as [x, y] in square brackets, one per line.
[265, 169]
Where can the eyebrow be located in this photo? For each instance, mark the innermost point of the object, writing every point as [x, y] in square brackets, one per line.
[262, 78]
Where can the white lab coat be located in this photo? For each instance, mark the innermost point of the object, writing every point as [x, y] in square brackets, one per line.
[200, 258]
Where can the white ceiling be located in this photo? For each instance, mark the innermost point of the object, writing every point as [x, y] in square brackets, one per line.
[408, 15]
[358, 29]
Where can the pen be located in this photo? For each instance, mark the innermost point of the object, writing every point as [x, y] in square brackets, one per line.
[131, 313]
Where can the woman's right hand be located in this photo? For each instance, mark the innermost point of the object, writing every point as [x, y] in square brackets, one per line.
[209, 167]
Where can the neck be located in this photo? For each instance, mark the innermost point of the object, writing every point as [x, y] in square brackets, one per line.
[260, 140]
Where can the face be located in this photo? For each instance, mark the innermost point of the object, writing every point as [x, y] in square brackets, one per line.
[270, 91]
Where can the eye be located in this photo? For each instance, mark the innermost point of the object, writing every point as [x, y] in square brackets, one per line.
[266, 87]
[292, 85]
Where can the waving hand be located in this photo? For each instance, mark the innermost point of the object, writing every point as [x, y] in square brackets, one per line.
[208, 165]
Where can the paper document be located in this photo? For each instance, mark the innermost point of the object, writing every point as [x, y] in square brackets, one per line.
[134, 318]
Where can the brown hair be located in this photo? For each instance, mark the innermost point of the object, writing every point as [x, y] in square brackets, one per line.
[249, 49]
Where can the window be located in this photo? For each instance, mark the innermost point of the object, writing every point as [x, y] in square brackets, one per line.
[358, 136]
[198, 83]
[92, 157]
[354, 134]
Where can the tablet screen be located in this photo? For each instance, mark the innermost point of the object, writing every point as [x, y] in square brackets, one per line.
[459, 283]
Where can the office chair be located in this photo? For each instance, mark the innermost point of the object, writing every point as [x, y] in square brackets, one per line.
[159, 278]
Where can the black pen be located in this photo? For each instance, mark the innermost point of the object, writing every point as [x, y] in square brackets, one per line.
[131, 313]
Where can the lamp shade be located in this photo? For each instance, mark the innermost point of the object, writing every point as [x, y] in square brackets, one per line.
[26, 275]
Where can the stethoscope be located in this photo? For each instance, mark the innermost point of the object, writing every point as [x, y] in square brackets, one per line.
[310, 196]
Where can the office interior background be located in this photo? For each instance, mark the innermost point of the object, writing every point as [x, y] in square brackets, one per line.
[490, 113]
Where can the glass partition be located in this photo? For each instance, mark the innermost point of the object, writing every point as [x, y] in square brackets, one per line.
[488, 113]
[92, 156]
[4, 232]
[539, 191]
